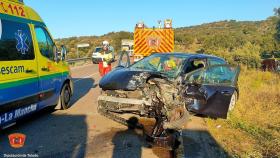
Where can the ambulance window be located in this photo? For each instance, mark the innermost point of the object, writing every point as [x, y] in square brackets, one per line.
[15, 41]
[45, 43]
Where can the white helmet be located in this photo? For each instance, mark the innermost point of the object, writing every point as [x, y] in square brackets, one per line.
[105, 43]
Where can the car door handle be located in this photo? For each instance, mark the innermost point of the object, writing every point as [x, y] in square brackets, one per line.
[226, 93]
[44, 69]
[190, 93]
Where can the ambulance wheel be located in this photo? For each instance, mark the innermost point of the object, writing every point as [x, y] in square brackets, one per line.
[65, 96]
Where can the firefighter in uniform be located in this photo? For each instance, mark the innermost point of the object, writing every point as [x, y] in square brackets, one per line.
[107, 59]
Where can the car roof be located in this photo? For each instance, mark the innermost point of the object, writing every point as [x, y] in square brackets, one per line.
[190, 55]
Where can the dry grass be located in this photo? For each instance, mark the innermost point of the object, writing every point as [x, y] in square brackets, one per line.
[253, 128]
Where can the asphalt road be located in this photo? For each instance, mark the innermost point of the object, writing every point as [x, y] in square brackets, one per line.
[81, 132]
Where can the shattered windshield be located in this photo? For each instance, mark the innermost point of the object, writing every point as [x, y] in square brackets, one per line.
[168, 65]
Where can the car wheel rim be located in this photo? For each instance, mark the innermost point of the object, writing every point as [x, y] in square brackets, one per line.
[66, 96]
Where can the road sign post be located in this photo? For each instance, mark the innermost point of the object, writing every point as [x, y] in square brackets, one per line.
[83, 45]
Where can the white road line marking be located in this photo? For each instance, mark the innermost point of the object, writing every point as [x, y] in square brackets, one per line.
[86, 77]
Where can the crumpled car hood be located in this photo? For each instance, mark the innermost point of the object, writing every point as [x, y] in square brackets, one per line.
[125, 79]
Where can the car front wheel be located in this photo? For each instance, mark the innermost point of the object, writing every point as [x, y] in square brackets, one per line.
[65, 96]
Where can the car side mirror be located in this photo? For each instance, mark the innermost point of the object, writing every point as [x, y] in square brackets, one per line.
[56, 54]
[63, 53]
[124, 60]
[181, 80]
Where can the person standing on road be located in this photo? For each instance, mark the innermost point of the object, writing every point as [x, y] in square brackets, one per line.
[107, 59]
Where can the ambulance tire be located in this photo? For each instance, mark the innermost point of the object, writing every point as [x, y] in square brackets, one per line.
[65, 96]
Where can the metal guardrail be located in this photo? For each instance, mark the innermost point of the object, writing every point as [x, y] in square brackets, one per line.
[73, 61]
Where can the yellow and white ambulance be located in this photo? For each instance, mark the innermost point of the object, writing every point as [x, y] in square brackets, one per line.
[33, 75]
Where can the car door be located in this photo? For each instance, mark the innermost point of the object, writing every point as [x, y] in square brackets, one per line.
[124, 60]
[209, 90]
[50, 74]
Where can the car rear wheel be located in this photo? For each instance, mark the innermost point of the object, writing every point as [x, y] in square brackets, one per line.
[65, 96]
[233, 101]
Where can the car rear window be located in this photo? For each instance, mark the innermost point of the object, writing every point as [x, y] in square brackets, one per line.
[213, 61]
[15, 41]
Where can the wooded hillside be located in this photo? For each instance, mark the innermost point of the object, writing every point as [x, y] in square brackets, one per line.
[236, 41]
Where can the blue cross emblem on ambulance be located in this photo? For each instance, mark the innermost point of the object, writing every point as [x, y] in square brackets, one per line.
[21, 46]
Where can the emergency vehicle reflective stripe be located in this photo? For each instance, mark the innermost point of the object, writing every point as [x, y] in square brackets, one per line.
[28, 100]
[163, 41]
[30, 80]
[23, 88]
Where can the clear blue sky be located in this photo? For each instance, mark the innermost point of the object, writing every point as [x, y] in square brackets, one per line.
[66, 18]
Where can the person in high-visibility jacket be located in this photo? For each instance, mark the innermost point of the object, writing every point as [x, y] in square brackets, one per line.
[107, 59]
[170, 64]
